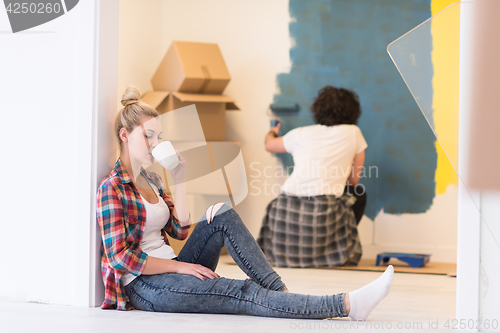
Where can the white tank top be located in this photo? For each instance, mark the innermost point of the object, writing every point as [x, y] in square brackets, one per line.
[152, 243]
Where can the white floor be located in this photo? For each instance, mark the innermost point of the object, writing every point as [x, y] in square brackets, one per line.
[415, 303]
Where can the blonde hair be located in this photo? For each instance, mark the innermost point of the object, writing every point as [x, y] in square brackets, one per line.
[133, 109]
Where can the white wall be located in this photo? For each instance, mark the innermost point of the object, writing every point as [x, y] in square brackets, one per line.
[433, 232]
[53, 82]
[140, 44]
[47, 104]
[489, 290]
[468, 237]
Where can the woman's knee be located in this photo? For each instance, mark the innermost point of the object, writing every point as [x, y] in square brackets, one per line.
[212, 211]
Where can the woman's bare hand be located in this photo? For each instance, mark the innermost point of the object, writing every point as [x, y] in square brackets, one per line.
[199, 271]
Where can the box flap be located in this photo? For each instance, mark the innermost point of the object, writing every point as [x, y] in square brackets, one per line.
[191, 67]
[169, 75]
[154, 98]
[202, 60]
[186, 97]
[231, 106]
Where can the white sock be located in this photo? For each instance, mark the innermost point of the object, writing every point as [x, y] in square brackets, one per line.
[365, 299]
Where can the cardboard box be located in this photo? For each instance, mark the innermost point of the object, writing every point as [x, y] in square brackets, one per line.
[192, 68]
[211, 109]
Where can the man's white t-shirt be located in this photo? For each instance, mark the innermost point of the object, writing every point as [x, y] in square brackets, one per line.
[323, 157]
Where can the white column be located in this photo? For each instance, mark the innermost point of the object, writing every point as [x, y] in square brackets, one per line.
[103, 149]
[468, 231]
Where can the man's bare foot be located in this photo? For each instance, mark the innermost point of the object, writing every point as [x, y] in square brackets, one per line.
[286, 290]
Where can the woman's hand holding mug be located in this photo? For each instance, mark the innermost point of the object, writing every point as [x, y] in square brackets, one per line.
[171, 160]
[178, 173]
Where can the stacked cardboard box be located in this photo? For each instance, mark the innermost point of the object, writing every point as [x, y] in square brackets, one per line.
[193, 73]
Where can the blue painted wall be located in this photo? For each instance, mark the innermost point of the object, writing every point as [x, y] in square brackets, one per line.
[343, 43]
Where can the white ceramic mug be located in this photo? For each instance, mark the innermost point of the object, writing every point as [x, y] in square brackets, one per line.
[165, 154]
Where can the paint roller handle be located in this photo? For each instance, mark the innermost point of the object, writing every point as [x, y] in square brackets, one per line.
[275, 122]
[276, 129]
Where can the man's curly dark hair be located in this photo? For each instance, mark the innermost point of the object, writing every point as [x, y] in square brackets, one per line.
[336, 106]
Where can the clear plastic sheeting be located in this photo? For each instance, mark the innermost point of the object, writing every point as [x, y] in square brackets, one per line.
[213, 171]
[414, 55]
[435, 41]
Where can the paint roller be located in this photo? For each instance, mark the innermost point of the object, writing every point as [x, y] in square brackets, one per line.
[281, 108]
[284, 107]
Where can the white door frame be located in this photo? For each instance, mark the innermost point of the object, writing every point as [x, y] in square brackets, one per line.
[104, 111]
[469, 226]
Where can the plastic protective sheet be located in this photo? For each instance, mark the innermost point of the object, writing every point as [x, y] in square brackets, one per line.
[414, 55]
[213, 171]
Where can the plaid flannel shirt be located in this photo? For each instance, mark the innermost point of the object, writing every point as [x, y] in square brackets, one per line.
[122, 216]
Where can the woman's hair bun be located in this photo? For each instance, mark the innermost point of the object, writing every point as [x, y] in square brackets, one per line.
[130, 95]
[130, 116]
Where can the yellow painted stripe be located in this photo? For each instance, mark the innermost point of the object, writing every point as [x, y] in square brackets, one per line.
[445, 31]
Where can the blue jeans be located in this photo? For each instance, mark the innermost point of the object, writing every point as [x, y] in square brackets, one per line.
[260, 295]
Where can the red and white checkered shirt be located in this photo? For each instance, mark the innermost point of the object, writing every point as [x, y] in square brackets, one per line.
[122, 217]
